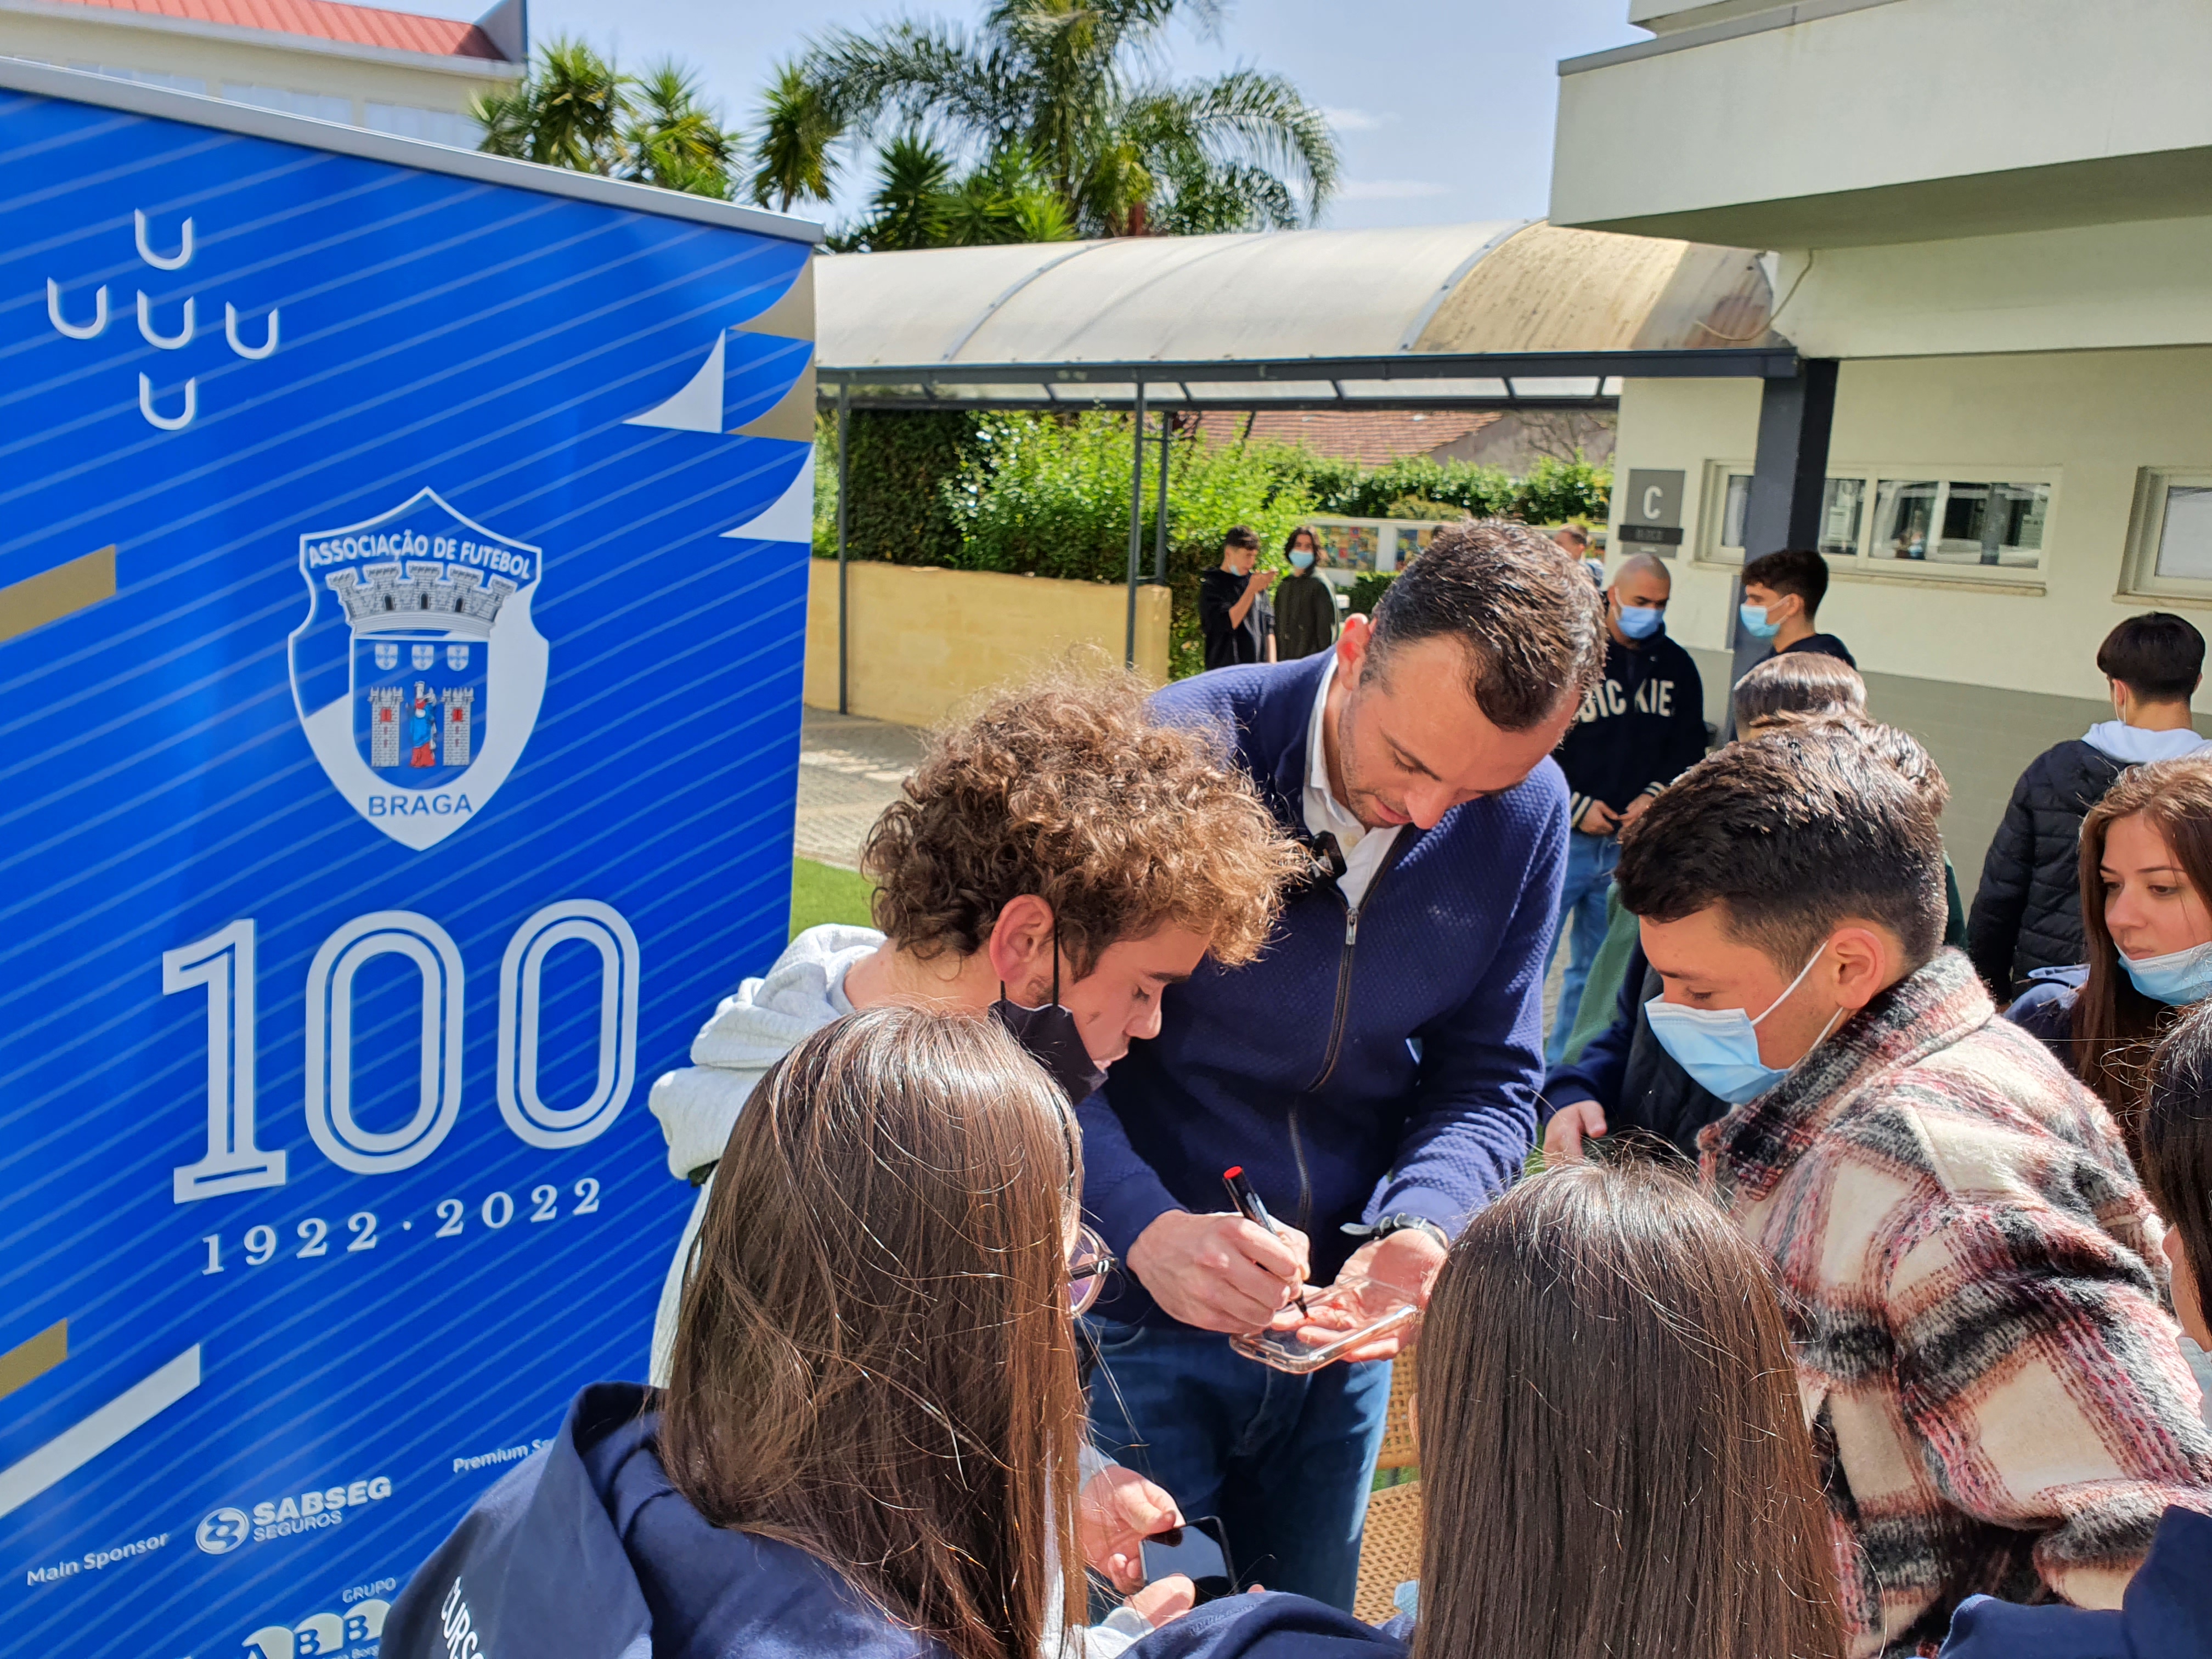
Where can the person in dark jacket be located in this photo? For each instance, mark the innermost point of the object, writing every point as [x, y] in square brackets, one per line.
[2026, 913]
[1637, 728]
[2166, 1610]
[1782, 595]
[869, 1440]
[1375, 1071]
[1230, 623]
[1624, 1085]
[1305, 605]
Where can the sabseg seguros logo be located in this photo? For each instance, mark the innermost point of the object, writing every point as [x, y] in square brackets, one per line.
[227, 1528]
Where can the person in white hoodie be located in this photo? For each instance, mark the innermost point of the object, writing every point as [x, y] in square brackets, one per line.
[1057, 860]
[2026, 916]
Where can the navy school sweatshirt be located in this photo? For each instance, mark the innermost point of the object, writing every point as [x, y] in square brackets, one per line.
[586, 1549]
[1639, 727]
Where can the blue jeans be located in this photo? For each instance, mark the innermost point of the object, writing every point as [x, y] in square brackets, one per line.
[1284, 1461]
[1590, 860]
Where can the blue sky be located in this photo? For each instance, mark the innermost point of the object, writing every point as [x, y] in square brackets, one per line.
[1444, 107]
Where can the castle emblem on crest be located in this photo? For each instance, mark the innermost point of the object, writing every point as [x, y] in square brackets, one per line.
[418, 672]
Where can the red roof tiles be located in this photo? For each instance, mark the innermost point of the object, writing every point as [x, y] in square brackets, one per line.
[1369, 436]
[327, 20]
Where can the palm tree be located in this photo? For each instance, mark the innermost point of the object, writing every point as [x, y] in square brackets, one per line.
[1072, 85]
[567, 113]
[673, 139]
[791, 158]
[575, 110]
[918, 202]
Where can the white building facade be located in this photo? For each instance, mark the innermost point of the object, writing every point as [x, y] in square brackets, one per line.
[1989, 225]
[363, 66]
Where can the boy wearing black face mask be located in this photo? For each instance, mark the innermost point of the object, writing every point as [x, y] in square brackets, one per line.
[1058, 859]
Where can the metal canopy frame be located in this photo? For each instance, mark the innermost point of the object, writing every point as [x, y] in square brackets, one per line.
[1405, 379]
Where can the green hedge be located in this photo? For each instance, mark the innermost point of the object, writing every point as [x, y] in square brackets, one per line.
[900, 463]
[1048, 496]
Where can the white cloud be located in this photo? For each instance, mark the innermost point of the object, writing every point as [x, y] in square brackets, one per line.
[1388, 190]
[1357, 120]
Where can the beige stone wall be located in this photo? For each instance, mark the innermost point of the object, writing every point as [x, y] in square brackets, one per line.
[925, 639]
[358, 78]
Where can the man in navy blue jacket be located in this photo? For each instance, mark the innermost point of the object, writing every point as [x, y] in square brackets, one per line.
[1376, 1071]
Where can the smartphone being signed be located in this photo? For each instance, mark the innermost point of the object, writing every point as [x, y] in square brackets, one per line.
[1198, 1550]
[1349, 1314]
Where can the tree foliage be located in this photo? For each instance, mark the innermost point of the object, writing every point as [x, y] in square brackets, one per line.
[575, 110]
[919, 203]
[1048, 496]
[1068, 93]
[791, 160]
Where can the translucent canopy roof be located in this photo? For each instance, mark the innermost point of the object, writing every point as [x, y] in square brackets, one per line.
[1541, 299]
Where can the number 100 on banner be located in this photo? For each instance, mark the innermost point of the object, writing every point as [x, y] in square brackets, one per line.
[222, 965]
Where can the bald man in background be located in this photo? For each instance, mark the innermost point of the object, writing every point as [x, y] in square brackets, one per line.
[1638, 727]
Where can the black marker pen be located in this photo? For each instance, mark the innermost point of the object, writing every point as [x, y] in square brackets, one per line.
[1246, 1201]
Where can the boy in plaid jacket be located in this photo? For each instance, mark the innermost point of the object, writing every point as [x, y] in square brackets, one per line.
[1996, 1389]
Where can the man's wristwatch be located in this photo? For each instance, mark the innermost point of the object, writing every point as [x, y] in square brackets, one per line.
[1397, 1223]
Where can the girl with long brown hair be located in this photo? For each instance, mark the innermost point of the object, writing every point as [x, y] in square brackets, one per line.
[868, 1445]
[2147, 924]
[1614, 1462]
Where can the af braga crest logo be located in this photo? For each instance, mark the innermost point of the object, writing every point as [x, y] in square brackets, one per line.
[418, 673]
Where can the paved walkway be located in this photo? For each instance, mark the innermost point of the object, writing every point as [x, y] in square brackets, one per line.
[850, 769]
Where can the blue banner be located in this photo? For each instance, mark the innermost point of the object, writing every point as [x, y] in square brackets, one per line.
[402, 594]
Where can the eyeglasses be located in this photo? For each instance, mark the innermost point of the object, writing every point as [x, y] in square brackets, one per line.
[1089, 1261]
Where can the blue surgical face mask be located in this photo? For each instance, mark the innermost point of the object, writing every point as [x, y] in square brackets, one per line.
[1301, 561]
[1754, 618]
[2177, 979]
[1719, 1047]
[1641, 622]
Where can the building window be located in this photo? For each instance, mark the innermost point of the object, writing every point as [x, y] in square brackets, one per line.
[2170, 537]
[145, 77]
[1842, 503]
[1935, 522]
[320, 105]
[437, 127]
[1952, 521]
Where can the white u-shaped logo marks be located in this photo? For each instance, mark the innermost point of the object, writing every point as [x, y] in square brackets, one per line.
[178, 261]
[89, 331]
[230, 333]
[182, 337]
[168, 422]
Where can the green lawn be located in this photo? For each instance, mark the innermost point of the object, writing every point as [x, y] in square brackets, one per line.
[823, 892]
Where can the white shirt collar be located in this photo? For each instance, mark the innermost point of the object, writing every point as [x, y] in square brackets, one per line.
[1323, 811]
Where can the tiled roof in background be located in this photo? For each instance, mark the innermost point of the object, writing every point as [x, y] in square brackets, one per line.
[327, 20]
[1370, 437]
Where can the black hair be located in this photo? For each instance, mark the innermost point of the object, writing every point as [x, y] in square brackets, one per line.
[2158, 656]
[1242, 535]
[1791, 833]
[1533, 624]
[1290, 541]
[1796, 571]
[2173, 1137]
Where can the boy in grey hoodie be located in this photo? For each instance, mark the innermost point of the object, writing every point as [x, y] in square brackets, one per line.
[1058, 859]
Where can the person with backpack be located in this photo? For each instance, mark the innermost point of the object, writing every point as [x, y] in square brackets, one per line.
[2026, 914]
